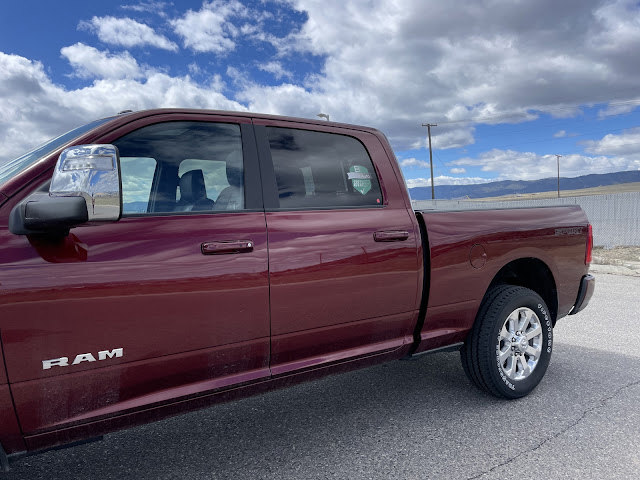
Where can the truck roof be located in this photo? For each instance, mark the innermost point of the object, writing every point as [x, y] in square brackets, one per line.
[163, 111]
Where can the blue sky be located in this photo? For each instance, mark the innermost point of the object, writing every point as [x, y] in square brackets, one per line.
[510, 84]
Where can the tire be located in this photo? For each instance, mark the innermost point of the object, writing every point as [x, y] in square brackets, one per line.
[508, 350]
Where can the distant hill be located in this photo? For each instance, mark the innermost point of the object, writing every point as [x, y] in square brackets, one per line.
[511, 187]
[135, 207]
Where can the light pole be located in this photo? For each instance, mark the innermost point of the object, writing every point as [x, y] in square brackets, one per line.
[558, 159]
[429, 125]
[324, 115]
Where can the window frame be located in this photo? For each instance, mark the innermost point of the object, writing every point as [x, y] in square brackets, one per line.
[270, 187]
[252, 176]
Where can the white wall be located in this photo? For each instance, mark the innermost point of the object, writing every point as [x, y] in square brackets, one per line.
[615, 217]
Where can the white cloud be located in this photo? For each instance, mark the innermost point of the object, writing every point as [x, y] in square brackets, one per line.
[627, 143]
[27, 101]
[284, 99]
[396, 65]
[445, 180]
[127, 32]
[31, 102]
[89, 62]
[414, 162]
[514, 165]
[148, 7]
[452, 138]
[617, 31]
[458, 171]
[210, 29]
[565, 134]
[391, 65]
[620, 108]
[276, 69]
[194, 68]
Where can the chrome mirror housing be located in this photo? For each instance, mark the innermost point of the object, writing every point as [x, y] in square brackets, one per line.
[91, 172]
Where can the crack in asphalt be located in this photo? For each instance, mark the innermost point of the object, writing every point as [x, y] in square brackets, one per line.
[600, 404]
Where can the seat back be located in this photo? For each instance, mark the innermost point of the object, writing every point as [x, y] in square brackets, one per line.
[193, 193]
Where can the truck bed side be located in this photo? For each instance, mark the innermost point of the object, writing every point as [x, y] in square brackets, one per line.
[470, 250]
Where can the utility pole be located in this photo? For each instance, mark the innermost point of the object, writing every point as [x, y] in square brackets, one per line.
[429, 125]
[558, 159]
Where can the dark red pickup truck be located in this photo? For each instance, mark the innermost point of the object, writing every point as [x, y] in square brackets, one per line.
[161, 261]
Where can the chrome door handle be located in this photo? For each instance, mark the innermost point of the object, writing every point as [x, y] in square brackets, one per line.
[223, 247]
[391, 236]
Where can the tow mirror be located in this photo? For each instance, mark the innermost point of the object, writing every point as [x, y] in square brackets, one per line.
[85, 187]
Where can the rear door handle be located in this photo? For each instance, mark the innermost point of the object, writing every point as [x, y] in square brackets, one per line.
[391, 236]
[223, 247]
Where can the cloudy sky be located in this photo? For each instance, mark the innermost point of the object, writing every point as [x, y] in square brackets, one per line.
[509, 83]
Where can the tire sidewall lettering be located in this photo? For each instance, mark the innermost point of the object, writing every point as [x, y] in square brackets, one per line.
[549, 327]
[503, 377]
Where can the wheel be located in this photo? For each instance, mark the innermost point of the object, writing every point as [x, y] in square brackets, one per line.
[509, 347]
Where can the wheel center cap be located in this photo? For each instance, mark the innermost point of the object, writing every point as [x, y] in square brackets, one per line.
[522, 344]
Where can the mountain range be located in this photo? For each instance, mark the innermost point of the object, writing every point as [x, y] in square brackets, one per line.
[511, 187]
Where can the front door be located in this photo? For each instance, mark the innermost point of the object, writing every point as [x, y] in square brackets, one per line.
[169, 302]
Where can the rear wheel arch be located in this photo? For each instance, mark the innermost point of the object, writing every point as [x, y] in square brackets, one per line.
[531, 273]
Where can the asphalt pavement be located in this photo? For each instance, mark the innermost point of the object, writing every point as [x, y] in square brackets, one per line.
[406, 420]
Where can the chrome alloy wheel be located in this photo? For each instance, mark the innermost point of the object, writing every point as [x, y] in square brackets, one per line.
[519, 344]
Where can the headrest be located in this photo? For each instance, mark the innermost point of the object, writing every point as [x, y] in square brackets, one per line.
[192, 186]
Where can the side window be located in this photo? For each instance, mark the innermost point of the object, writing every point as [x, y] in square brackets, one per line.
[182, 167]
[317, 169]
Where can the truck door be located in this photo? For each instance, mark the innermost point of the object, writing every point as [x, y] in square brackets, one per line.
[171, 301]
[342, 247]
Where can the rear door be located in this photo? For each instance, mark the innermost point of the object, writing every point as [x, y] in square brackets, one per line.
[343, 251]
[169, 302]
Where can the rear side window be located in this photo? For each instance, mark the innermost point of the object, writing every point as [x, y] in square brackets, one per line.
[317, 169]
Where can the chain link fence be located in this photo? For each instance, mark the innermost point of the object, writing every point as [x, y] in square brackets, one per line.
[615, 217]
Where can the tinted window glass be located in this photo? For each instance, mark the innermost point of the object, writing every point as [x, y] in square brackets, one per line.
[214, 171]
[317, 169]
[137, 178]
[182, 167]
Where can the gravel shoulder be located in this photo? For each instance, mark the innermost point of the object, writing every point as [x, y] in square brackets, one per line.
[617, 261]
